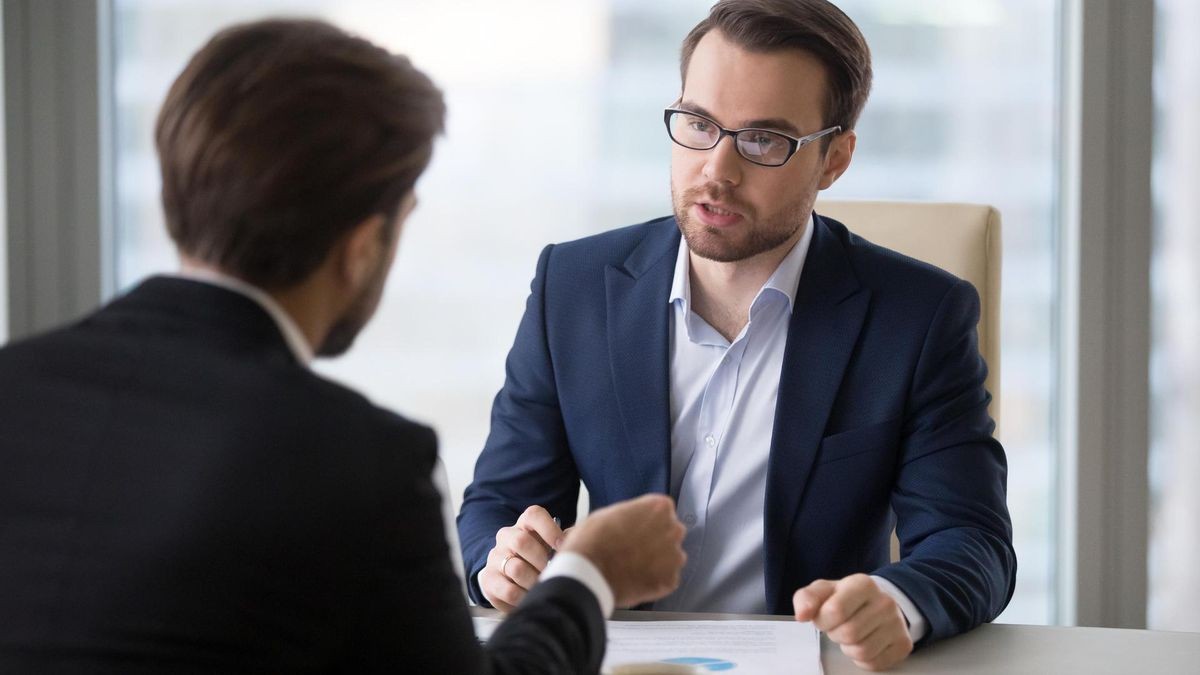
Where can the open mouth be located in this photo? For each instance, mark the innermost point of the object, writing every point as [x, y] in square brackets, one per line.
[715, 215]
[716, 211]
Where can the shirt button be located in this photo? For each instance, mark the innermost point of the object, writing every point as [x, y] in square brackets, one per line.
[710, 441]
[689, 520]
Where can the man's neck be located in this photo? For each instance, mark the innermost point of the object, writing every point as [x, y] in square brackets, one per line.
[722, 292]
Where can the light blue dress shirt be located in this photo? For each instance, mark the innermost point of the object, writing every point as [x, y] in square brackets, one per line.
[723, 398]
[722, 413]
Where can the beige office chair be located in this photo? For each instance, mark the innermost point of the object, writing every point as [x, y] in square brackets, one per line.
[963, 239]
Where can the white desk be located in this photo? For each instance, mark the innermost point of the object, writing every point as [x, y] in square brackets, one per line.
[1006, 649]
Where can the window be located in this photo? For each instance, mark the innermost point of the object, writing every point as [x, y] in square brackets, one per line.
[1175, 359]
[963, 110]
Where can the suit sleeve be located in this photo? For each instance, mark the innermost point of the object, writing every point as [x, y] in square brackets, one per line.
[415, 618]
[957, 561]
[526, 460]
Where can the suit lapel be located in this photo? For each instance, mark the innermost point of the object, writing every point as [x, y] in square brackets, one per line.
[637, 322]
[828, 315]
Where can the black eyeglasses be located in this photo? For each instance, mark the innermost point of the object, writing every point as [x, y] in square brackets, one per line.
[761, 146]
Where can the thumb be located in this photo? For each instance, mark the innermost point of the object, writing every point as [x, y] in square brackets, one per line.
[808, 600]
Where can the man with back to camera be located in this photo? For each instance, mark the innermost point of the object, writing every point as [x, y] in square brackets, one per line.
[181, 493]
[789, 383]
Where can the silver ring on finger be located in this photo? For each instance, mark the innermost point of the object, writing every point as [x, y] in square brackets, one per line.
[504, 564]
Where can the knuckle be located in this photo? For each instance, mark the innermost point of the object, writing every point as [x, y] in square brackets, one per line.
[520, 539]
[504, 537]
[848, 635]
[835, 610]
[855, 652]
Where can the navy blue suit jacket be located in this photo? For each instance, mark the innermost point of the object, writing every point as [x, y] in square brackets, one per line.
[882, 410]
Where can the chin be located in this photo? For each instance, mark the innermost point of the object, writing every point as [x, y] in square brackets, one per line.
[339, 340]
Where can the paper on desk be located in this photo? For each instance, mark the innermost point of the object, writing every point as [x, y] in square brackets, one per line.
[737, 647]
[743, 647]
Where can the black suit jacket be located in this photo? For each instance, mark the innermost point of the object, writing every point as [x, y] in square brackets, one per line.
[178, 494]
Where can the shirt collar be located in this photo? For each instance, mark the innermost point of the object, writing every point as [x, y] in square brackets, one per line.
[295, 339]
[784, 279]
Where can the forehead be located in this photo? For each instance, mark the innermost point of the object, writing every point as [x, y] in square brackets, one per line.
[739, 87]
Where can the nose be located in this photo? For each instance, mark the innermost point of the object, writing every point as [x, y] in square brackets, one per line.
[723, 163]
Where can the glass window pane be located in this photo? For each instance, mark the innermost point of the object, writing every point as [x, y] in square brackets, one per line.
[1175, 359]
[963, 110]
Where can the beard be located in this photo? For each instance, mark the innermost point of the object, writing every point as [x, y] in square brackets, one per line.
[342, 334]
[753, 237]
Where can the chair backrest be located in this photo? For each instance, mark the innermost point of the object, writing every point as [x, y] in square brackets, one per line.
[963, 239]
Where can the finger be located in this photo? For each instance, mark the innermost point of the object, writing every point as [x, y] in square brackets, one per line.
[539, 521]
[892, 655]
[520, 572]
[871, 646]
[502, 593]
[878, 612]
[807, 601]
[508, 566]
[852, 595]
[523, 543]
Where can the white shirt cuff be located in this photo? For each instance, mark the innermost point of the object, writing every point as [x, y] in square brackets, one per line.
[578, 567]
[917, 627]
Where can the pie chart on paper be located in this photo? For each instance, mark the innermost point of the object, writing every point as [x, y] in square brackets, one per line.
[703, 663]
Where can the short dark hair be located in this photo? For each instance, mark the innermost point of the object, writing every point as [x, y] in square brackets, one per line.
[815, 26]
[280, 136]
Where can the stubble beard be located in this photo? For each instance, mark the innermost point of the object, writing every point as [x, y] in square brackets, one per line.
[345, 330]
[759, 236]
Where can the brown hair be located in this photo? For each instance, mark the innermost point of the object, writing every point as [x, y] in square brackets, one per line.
[280, 136]
[815, 26]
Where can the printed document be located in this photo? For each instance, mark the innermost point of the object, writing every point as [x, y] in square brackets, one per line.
[700, 647]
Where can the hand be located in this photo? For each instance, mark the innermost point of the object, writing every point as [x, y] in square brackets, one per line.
[866, 622]
[521, 553]
[637, 545]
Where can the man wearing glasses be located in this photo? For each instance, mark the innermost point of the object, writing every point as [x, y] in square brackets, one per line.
[788, 383]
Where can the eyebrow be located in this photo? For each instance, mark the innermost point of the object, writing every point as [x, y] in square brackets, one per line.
[774, 123]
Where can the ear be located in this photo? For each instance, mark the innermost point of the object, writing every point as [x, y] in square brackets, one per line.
[360, 250]
[837, 158]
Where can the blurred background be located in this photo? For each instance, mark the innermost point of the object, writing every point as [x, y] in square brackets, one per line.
[555, 132]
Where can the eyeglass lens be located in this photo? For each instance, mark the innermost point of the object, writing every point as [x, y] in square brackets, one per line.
[698, 133]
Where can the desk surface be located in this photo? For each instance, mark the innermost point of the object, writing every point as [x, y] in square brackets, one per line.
[1009, 649]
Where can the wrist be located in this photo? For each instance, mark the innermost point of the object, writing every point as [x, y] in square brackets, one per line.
[576, 565]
